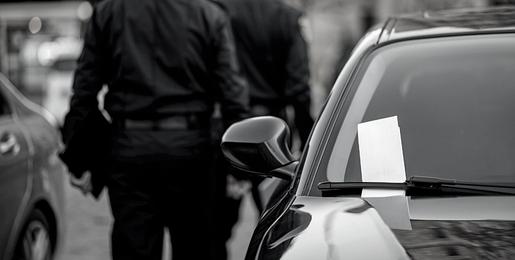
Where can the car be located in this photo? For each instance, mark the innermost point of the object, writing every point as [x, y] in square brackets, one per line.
[31, 178]
[412, 156]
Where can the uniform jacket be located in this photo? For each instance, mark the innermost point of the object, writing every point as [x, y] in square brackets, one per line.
[158, 58]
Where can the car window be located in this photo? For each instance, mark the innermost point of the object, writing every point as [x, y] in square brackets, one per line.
[454, 99]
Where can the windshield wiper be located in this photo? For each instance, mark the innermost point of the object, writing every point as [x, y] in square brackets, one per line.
[422, 184]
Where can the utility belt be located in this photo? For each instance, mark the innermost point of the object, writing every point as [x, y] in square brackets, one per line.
[173, 122]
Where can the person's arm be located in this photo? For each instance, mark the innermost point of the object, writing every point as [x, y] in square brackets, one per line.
[232, 88]
[297, 90]
[88, 80]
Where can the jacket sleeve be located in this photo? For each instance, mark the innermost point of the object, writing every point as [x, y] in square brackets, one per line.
[231, 86]
[88, 79]
[297, 89]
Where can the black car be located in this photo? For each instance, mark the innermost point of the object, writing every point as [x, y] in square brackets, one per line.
[413, 155]
[31, 179]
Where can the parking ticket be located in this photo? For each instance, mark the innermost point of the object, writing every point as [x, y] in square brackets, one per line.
[381, 155]
[382, 160]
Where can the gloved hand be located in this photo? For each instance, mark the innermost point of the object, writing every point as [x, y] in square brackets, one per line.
[83, 183]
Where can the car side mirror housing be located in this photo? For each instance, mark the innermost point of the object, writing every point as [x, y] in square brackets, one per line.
[260, 145]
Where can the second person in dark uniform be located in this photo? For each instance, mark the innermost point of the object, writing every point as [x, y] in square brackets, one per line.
[273, 55]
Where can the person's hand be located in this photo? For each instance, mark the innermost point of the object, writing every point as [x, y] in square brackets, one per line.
[83, 183]
[237, 188]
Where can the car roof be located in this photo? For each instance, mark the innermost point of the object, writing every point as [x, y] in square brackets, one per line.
[450, 22]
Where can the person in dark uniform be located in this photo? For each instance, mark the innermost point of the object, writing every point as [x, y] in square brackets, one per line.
[165, 63]
[274, 59]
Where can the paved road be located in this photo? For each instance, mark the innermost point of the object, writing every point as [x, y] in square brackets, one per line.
[89, 221]
[87, 227]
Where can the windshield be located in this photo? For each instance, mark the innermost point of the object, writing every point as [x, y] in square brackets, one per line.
[455, 102]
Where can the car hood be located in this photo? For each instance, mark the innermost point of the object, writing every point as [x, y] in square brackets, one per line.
[416, 228]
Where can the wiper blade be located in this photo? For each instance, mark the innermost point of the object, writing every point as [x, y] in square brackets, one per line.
[424, 184]
[432, 181]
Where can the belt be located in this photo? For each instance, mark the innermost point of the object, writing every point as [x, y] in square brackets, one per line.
[180, 122]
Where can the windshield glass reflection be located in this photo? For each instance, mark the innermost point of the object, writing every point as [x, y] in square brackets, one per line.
[454, 101]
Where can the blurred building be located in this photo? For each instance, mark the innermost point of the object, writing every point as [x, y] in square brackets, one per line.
[39, 45]
[333, 27]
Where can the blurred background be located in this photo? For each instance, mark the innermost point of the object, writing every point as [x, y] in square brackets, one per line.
[40, 42]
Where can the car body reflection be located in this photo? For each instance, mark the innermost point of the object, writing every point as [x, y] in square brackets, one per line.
[31, 178]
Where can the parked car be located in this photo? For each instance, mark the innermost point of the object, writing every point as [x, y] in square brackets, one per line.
[31, 178]
[412, 156]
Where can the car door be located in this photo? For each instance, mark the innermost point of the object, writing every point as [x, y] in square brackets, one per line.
[14, 170]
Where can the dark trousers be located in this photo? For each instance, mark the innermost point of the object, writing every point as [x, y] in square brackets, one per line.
[227, 214]
[168, 186]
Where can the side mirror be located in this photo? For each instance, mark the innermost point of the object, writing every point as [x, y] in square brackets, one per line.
[260, 145]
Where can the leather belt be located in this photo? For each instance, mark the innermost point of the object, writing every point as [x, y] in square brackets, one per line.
[182, 122]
